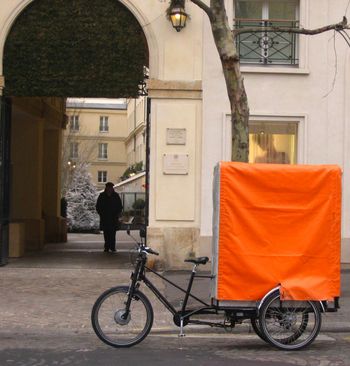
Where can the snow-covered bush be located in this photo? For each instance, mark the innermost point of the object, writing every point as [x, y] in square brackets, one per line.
[81, 198]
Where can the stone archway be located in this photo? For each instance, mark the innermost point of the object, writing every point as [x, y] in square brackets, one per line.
[74, 48]
[56, 49]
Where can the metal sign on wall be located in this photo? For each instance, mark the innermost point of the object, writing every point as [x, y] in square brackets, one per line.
[176, 136]
[176, 164]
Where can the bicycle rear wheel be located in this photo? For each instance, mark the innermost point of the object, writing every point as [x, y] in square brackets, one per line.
[289, 325]
[257, 328]
[110, 323]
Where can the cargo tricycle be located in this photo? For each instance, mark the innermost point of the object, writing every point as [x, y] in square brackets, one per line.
[272, 265]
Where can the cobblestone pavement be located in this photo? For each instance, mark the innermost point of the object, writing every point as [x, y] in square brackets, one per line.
[46, 300]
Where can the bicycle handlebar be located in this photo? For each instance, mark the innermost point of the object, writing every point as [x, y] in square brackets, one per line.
[150, 250]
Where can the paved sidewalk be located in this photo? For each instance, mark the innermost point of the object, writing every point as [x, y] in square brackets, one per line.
[53, 291]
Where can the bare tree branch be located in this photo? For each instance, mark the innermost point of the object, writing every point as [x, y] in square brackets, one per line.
[335, 66]
[347, 7]
[337, 27]
[345, 36]
[205, 8]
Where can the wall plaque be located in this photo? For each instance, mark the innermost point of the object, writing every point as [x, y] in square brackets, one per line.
[176, 136]
[175, 164]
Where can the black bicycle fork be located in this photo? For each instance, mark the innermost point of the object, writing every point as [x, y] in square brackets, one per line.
[135, 278]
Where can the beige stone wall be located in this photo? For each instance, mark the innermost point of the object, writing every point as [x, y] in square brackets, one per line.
[35, 173]
[174, 244]
[175, 185]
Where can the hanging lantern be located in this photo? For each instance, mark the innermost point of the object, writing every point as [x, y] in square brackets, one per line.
[178, 17]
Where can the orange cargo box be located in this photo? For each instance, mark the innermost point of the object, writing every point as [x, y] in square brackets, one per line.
[276, 225]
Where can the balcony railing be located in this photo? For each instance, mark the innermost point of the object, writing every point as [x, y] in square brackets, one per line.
[267, 47]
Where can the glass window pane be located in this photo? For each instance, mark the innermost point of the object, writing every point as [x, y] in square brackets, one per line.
[73, 150]
[285, 10]
[273, 142]
[249, 46]
[102, 151]
[282, 48]
[249, 9]
[129, 199]
[74, 123]
[102, 176]
[103, 124]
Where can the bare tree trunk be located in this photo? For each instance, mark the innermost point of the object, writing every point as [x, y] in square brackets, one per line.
[225, 44]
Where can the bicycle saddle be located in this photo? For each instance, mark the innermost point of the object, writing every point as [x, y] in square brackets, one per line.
[199, 260]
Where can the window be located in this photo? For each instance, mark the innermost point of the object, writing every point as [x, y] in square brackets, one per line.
[74, 123]
[74, 148]
[273, 142]
[102, 176]
[102, 151]
[103, 124]
[266, 47]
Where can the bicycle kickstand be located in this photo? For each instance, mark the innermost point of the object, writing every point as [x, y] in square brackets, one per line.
[182, 334]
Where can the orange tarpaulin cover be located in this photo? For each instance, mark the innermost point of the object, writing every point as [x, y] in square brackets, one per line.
[279, 225]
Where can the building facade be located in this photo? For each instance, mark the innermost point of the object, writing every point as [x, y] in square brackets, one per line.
[96, 134]
[298, 91]
[109, 135]
[135, 142]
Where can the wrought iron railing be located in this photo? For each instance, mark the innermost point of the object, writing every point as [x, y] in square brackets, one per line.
[266, 46]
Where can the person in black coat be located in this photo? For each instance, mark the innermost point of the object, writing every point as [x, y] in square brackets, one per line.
[109, 207]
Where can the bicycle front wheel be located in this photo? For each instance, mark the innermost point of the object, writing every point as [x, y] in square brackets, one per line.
[113, 326]
[289, 325]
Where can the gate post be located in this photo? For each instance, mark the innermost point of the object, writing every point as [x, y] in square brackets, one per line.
[5, 127]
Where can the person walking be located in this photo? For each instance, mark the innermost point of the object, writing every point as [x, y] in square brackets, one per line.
[109, 207]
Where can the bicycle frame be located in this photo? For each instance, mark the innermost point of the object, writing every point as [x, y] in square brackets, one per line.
[182, 317]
